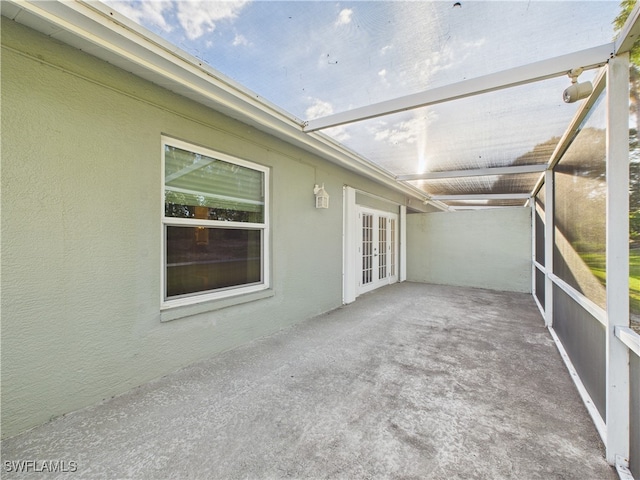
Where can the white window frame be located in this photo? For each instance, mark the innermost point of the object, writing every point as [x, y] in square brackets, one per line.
[264, 227]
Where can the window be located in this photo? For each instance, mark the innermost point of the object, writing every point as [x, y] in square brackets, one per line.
[215, 225]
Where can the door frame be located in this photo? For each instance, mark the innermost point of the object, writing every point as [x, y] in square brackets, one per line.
[351, 272]
[385, 249]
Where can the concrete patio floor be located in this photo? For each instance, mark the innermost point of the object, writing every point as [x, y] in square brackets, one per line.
[411, 381]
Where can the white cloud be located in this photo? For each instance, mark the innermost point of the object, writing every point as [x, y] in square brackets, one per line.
[474, 44]
[344, 17]
[240, 40]
[338, 133]
[406, 132]
[198, 17]
[436, 62]
[383, 76]
[144, 13]
[318, 109]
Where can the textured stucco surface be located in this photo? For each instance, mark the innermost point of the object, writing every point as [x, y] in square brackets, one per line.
[411, 381]
[478, 248]
[81, 231]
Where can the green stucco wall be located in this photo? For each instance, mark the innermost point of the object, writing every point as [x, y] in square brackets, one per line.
[81, 232]
[476, 248]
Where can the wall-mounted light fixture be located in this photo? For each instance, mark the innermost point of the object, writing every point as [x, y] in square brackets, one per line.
[322, 197]
[577, 91]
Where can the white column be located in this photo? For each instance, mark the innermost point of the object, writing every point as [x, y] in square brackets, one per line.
[533, 246]
[548, 246]
[403, 244]
[617, 354]
[349, 245]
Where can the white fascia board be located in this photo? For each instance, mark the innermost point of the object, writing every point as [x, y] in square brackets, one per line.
[102, 32]
[480, 172]
[629, 33]
[482, 196]
[533, 72]
[438, 204]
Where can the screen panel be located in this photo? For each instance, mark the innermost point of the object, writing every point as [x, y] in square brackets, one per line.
[584, 339]
[580, 210]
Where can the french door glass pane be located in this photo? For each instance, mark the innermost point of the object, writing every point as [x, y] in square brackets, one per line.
[382, 248]
[367, 248]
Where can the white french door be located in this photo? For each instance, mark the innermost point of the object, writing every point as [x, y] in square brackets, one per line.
[377, 249]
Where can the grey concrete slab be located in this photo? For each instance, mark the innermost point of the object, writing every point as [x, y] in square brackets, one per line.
[411, 381]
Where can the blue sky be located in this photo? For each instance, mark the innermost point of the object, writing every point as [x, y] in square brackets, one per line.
[313, 58]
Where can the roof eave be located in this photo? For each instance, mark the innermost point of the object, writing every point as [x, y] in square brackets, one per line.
[104, 33]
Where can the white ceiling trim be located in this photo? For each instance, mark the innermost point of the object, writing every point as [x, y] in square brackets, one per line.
[478, 172]
[481, 196]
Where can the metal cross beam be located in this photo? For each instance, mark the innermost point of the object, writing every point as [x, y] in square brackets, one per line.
[482, 196]
[533, 72]
[479, 172]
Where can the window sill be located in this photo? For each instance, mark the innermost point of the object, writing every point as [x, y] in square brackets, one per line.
[173, 313]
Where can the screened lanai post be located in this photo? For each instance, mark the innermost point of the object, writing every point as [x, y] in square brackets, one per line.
[617, 261]
[403, 244]
[549, 227]
[532, 205]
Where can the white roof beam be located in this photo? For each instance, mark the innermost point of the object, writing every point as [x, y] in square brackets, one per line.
[533, 72]
[481, 196]
[629, 33]
[479, 172]
[476, 207]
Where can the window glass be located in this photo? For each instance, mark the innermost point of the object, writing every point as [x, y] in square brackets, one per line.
[215, 224]
[203, 259]
[198, 186]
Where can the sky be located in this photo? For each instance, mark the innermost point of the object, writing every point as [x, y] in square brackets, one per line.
[314, 58]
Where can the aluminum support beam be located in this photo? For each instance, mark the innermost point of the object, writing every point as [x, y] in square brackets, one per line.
[617, 258]
[533, 72]
[403, 243]
[482, 196]
[532, 206]
[479, 172]
[573, 128]
[549, 228]
[630, 32]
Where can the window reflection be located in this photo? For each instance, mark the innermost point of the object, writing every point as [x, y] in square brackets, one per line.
[200, 259]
